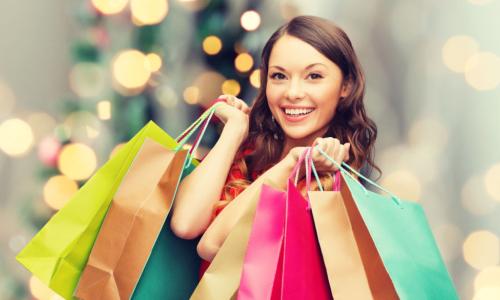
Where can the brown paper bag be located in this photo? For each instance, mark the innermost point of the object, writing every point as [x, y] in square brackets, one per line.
[132, 224]
[221, 280]
[354, 268]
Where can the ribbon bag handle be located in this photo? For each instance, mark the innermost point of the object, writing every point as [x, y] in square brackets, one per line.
[343, 166]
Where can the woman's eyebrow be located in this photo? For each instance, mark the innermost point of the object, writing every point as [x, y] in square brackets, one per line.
[308, 67]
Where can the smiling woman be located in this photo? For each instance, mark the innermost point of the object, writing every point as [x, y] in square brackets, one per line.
[311, 93]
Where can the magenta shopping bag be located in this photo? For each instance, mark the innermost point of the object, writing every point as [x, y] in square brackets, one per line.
[264, 246]
[283, 259]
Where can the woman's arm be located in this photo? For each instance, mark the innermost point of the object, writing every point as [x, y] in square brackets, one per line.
[217, 232]
[199, 191]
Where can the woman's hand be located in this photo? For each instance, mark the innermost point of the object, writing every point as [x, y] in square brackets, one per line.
[233, 112]
[232, 108]
[331, 146]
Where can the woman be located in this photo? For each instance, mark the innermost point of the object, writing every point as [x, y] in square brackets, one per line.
[312, 89]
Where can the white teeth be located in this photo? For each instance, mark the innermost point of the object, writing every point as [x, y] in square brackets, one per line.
[297, 111]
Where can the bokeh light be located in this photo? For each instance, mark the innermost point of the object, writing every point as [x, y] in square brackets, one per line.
[482, 71]
[87, 80]
[492, 181]
[488, 293]
[154, 62]
[457, 50]
[243, 62]
[148, 12]
[481, 249]
[212, 45]
[48, 151]
[41, 291]
[255, 78]
[77, 161]
[487, 278]
[130, 69]
[403, 184]
[58, 190]
[16, 137]
[82, 126]
[104, 110]
[231, 87]
[475, 198]
[109, 7]
[208, 84]
[193, 5]
[250, 20]
[191, 95]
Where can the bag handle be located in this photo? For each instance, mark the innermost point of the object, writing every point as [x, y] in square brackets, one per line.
[342, 168]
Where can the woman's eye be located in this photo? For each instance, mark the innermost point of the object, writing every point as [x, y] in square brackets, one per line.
[278, 76]
[315, 76]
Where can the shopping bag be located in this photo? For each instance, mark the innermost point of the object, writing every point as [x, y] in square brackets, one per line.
[262, 257]
[341, 254]
[59, 251]
[172, 270]
[402, 238]
[283, 260]
[132, 224]
[221, 280]
[304, 273]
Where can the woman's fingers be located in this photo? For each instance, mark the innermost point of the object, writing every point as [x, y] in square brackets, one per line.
[334, 149]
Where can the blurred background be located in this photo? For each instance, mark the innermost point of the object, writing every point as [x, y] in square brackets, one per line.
[78, 78]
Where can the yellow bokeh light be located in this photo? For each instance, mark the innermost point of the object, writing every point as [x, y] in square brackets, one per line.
[488, 293]
[191, 95]
[481, 249]
[403, 184]
[148, 12]
[457, 50]
[77, 161]
[492, 181]
[109, 7]
[255, 78]
[116, 149]
[231, 87]
[475, 198]
[104, 110]
[58, 190]
[154, 62]
[212, 45]
[41, 291]
[16, 137]
[482, 71]
[130, 69]
[487, 278]
[243, 62]
[250, 20]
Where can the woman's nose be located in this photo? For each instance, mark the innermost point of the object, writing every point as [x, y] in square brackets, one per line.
[295, 89]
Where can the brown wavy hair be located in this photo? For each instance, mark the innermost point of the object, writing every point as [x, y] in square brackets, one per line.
[350, 123]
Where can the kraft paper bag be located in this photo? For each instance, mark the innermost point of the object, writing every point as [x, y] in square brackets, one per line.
[132, 224]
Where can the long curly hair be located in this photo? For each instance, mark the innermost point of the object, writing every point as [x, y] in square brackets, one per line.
[350, 123]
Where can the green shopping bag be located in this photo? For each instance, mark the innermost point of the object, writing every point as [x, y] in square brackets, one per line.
[59, 252]
[403, 240]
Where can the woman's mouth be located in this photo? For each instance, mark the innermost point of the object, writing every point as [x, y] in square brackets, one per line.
[296, 114]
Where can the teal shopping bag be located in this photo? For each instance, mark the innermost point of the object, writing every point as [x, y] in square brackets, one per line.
[403, 239]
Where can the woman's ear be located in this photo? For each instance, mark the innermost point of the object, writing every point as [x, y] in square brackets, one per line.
[346, 88]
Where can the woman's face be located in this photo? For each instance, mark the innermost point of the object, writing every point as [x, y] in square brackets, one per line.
[303, 89]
